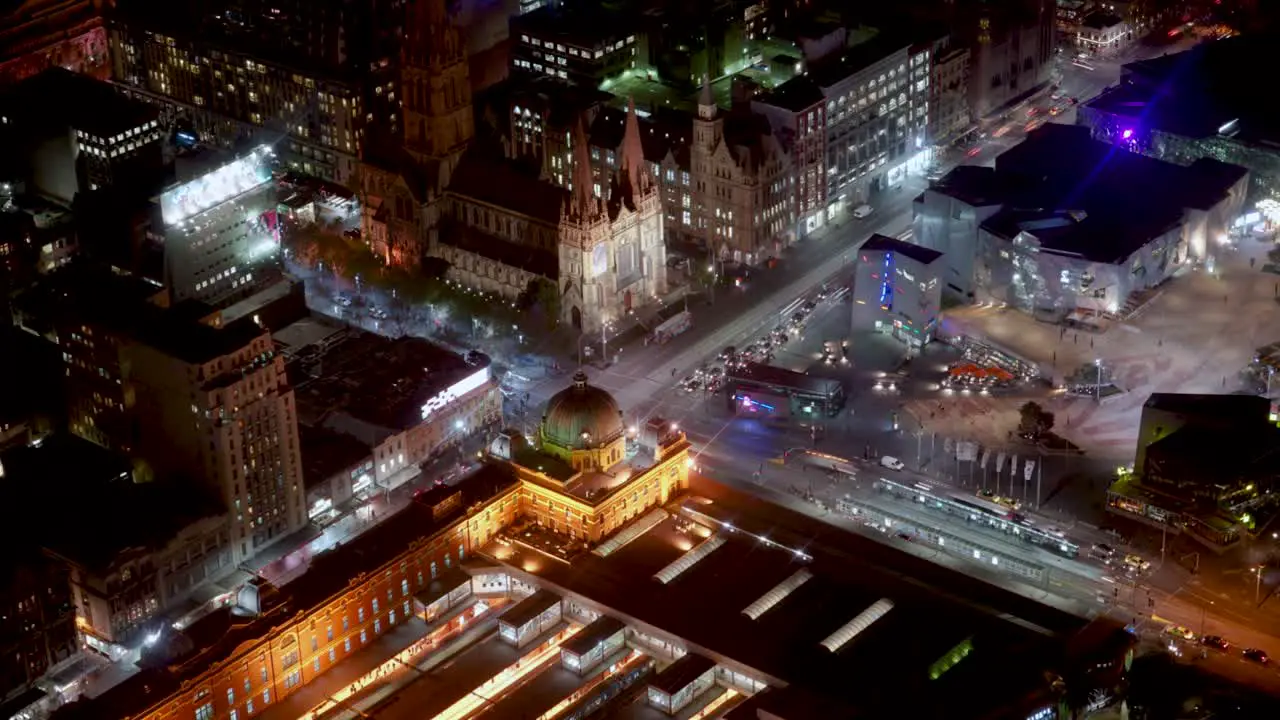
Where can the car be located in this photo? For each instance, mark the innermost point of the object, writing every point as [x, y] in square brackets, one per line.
[973, 151]
[810, 305]
[728, 353]
[863, 211]
[352, 234]
[1179, 632]
[1215, 642]
[891, 463]
[1103, 552]
[1255, 655]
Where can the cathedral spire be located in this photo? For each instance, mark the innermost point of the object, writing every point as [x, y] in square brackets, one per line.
[632, 160]
[583, 198]
[706, 100]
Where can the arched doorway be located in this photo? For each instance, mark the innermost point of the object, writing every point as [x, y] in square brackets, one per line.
[576, 317]
[626, 301]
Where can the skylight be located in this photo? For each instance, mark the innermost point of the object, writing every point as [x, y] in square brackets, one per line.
[850, 630]
[688, 560]
[777, 594]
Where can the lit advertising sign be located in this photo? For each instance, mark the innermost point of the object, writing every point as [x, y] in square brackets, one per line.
[215, 187]
[455, 391]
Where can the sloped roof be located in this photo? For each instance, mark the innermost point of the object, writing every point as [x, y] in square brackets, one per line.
[504, 184]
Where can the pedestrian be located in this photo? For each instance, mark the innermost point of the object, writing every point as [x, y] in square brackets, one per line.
[673, 372]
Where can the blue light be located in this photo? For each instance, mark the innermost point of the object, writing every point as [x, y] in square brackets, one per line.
[886, 286]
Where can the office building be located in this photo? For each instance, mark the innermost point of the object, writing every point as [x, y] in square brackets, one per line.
[220, 231]
[1203, 464]
[180, 390]
[630, 577]
[1026, 234]
[37, 36]
[950, 115]
[1194, 104]
[583, 45]
[229, 96]
[66, 134]
[897, 290]
[868, 110]
[37, 619]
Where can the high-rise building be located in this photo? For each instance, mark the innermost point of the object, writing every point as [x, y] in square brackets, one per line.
[865, 113]
[37, 619]
[216, 403]
[182, 393]
[229, 95]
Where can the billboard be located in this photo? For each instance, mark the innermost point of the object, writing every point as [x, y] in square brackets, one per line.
[179, 203]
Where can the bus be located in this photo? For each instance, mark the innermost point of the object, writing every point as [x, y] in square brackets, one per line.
[984, 506]
[786, 392]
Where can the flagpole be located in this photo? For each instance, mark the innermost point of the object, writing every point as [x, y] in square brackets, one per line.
[1039, 477]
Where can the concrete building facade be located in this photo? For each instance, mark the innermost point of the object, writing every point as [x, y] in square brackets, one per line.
[897, 290]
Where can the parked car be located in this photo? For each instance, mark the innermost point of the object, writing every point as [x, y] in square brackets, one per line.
[891, 463]
[863, 211]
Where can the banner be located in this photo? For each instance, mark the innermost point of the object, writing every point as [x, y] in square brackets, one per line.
[999, 462]
[1013, 466]
[983, 463]
[1027, 470]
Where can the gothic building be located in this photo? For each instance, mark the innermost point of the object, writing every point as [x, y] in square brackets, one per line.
[502, 227]
[400, 197]
[741, 207]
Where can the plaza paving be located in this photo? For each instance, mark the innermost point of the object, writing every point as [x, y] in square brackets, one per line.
[1193, 338]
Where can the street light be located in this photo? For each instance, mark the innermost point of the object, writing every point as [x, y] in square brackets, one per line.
[1098, 387]
[1257, 584]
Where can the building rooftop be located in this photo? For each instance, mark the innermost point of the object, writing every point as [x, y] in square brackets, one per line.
[94, 510]
[887, 618]
[582, 25]
[919, 253]
[124, 304]
[1101, 20]
[503, 184]
[1225, 407]
[1083, 197]
[380, 383]
[1199, 93]
[326, 453]
[61, 98]
[795, 95]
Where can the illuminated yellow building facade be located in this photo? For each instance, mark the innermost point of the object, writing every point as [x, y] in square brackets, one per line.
[368, 588]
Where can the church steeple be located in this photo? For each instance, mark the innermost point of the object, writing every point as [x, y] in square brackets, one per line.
[634, 168]
[583, 203]
[435, 85]
[707, 101]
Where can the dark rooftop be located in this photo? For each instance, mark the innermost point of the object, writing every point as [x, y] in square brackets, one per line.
[1225, 407]
[1101, 20]
[919, 253]
[503, 184]
[796, 95]
[931, 609]
[1198, 92]
[583, 25]
[379, 381]
[1084, 197]
[326, 453]
[679, 674]
[530, 608]
[122, 303]
[92, 509]
[975, 185]
[60, 97]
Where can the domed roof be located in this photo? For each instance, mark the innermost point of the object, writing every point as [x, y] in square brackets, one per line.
[581, 416]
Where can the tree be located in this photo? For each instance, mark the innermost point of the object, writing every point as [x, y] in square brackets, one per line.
[544, 294]
[1034, 421]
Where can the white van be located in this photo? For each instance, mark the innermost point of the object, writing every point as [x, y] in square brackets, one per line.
[863, 211]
